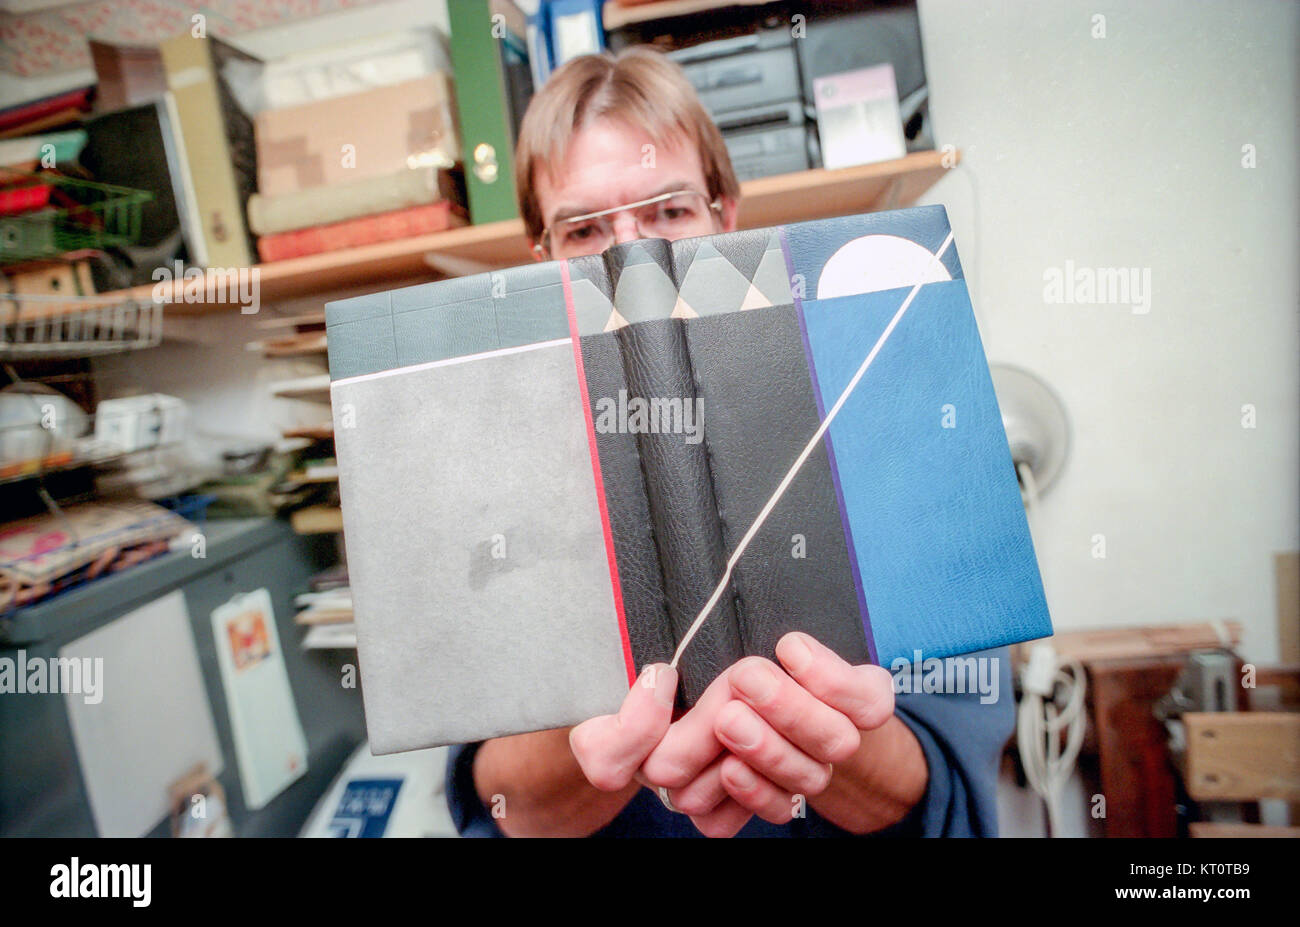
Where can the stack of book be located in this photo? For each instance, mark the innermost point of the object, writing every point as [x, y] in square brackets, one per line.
[397, 205]
[326, 611]
[357, 168]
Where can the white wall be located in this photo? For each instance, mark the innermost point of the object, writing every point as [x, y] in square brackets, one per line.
[1126, 151]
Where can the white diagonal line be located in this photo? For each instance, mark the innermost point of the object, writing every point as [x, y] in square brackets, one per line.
[804, 455]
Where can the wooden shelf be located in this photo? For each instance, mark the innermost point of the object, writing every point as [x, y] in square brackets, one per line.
[813, 194]
[320, 432]
[821, 193]
[615, 15]
[314, 388]
[317, 519]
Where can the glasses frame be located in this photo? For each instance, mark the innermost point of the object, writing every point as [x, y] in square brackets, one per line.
[542, 248]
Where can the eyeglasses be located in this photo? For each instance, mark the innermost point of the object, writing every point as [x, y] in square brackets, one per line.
[670, 215]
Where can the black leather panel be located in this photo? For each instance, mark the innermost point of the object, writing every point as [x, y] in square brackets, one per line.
[682, 508]
[759, 412]
[644, 604]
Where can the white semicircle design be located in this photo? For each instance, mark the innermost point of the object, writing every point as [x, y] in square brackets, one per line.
[878, 262]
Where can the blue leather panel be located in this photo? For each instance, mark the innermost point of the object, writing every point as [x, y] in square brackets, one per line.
[943, 547]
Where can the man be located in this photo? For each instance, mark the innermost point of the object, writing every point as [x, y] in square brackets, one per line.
[612, 149]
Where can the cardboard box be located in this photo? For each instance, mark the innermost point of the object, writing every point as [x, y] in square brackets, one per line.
[347, 138]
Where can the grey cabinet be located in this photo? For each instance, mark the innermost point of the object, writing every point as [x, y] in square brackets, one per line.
[41, 787]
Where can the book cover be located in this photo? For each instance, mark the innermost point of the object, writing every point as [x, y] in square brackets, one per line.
[544, 471]
[217, 139]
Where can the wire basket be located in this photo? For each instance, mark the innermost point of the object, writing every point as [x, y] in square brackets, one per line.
[75, 326]
[43, 215]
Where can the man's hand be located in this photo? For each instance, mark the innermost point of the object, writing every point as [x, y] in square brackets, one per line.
[611, 748]
[572, 782]
[760, 735]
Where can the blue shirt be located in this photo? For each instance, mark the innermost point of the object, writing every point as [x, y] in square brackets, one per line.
[961, 734]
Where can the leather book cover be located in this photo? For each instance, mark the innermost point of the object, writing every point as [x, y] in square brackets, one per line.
[544, 470]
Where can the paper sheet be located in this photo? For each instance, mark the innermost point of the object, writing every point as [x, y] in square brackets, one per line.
[153, 723]
[269, 742]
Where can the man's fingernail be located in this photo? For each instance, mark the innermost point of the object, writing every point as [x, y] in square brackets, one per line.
[742, 777]
[756, 681]
[744, 731]
[665, 684]
[796, 654]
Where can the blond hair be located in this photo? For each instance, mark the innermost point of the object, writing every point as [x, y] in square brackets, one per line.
[637, 85]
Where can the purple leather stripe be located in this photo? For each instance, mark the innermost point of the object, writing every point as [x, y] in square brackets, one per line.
[830, 454]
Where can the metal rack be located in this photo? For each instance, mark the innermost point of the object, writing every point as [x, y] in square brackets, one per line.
[75, 326]
[44, 215]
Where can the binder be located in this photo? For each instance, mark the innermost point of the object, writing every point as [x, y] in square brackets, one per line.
[489, 56]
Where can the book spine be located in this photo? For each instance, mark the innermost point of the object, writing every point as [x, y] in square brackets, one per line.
[483, 110]
[21, 116]
[369, 230]
[753, 381]
[675, 467]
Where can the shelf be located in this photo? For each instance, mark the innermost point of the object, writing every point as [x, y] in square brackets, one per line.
[322, 432]
[315, 388]
[303, 345]
[317, 519]
[615, 15]
[31, 469]
[813, 194]
[822, 194]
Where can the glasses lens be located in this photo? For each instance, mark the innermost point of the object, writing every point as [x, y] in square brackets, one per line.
[582, 236]
[675, 217]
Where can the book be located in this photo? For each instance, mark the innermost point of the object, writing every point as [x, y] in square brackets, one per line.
[216, 138]
[575, 29]
[352, 233]
[343, 139]
[26, 153]
[544, 472]
[126, 75]
[269, 215]
[47, 112]
[489, 55]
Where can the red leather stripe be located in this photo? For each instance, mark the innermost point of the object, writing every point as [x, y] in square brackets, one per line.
[595, 471]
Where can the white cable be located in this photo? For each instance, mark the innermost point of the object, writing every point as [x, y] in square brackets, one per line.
[806, 452]
[1048, 764]
[1031, 491]
[1051, 702]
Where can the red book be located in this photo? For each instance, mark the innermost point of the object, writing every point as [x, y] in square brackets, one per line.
[14, 116]
[352, 233]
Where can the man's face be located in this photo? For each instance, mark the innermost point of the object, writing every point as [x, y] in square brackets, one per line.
[612, 164]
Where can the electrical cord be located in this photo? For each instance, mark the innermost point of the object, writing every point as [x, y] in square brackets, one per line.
[1051, 704]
